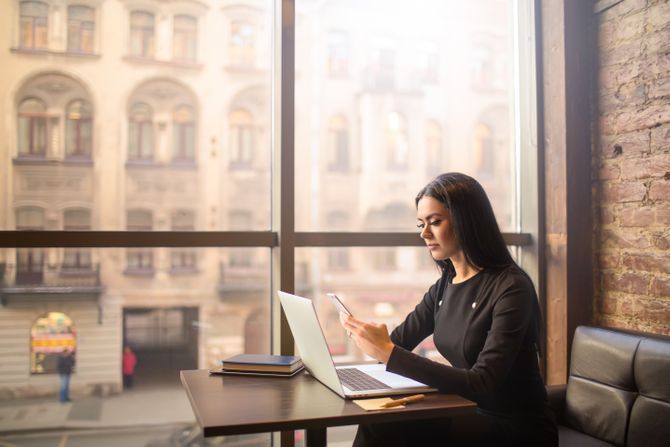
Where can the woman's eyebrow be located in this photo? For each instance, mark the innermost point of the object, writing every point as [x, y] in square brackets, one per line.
[429, 216]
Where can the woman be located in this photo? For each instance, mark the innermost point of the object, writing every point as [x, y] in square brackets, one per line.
[484, 318]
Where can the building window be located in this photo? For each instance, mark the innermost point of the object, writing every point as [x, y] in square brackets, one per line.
[34, 25]
[242, 44]
[241, 139]
[427, 62]
[482, 151]
[338, 54]
[397, 145]
[30, 261]
[338, 144]
[140, 133]
[183, 143]
[142, 38]
[139, 260]
[435, 158]
[241, 220]
[76, 258]
[78, 130]
[483, 67]
[183, 259]
[382, 71]
[184, 41]
[384, 259]
[32, 122]
[80, 29]
[50, 335]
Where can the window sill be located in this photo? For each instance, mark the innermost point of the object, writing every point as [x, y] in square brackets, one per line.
[139, 272]
[183, 271]
[163, 63]
[45, 51]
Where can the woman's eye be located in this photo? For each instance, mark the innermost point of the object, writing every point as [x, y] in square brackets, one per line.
[435, 223]
[420, 226]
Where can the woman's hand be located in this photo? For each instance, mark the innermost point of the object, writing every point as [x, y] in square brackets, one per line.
[371, 338]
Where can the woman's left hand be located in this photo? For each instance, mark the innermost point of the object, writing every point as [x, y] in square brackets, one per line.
[371, 338]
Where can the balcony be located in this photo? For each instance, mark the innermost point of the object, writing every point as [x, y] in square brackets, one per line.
[43, 282]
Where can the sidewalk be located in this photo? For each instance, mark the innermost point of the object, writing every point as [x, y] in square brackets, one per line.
[136, 407]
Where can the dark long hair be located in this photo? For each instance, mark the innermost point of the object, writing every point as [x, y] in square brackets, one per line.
[472, 220]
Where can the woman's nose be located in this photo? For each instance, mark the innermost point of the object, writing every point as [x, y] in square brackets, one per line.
[425, 233]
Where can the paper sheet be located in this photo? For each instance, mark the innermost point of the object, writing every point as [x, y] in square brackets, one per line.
[375, 404]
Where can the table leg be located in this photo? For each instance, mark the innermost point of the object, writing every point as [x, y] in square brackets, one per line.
[316, 437]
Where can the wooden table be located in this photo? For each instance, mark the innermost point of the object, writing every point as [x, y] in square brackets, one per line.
[233, 405]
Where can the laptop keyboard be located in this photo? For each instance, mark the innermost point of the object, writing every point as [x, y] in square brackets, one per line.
[357, 380]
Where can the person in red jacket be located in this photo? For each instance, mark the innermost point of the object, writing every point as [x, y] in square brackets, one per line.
[128, 364]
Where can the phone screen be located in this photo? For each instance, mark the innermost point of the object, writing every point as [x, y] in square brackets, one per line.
[338, 303]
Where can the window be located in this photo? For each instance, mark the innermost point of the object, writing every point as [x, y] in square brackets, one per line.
[80, 29]
[427, 62]
[384, 259]
[482, 151]
[338, 144]
[34, 25]
[382, 73]
[338, 54]
[30, 261]
[142, 34]
[76, 259]
[242, 44]
[183, 259]
[184, 44]
[183, 120]
[140, 133]
[78, 130]
[397, 141]
[140, 261]
[241, 139]
[241, 258]
[434, 151]
[32, 122]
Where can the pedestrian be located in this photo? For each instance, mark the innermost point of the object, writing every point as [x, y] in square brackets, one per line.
[128, 364]
[65, 367]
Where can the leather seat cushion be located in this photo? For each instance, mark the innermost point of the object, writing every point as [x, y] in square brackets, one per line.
[568, 437]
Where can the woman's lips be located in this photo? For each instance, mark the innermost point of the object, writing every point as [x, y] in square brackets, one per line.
[432, 247]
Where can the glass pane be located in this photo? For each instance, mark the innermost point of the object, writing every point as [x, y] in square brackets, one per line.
[187, 315]
[414, 91]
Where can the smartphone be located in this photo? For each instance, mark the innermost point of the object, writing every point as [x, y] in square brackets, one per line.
[338, 303]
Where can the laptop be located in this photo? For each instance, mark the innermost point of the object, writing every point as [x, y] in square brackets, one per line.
[348, 381]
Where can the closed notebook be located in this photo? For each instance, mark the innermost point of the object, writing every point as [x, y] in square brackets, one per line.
[262, 363]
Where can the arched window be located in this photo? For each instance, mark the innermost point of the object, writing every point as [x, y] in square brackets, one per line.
[242, 44]
[185, 38]
[338, 144]
[483, 156]
[396, 141]
[139, 260]
[338, 257]
[50, 335]
[338, 53]
[435, 161]
[241, 139]
[76, 219]
[241, 220]
[140, 133]
[80, 29]
[183, 143]
[29, 261]
[142, 34]
[78, 129]
[34, 25]
[32, 123]
[182, 259]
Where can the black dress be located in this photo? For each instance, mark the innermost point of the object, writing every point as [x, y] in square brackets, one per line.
[487, 328]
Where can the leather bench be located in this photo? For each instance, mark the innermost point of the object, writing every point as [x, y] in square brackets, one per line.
[618, 390]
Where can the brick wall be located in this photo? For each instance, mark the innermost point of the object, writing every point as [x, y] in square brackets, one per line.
[631, 167]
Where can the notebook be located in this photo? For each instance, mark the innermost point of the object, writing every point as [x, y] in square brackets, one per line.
[350, 381]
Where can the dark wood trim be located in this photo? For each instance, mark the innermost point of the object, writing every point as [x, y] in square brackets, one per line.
[379, 239]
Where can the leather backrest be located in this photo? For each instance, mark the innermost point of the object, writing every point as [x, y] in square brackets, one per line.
[650, 415]
[601, 386]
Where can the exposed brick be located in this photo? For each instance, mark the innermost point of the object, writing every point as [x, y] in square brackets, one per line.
[648, 167]
[660, 190]
[651, 310]
[622, 238]
[628, 282]
[660, 286]
[648, 117]
[660, 139]
[631, 144]
[624, 192]
[608, 261]
[623, 8]
[647, 262]
[612, 77]
[628, 28]
[606, 216]
[606, 306]
[662, 215]
[658, 16]
[657, 42]
[637, 217]
[609, 171]
[658, 63]
[661, 241]
[622, 53]
[659, 88]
